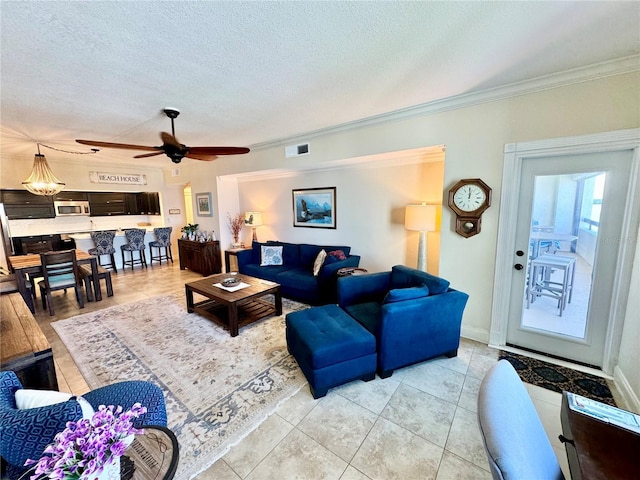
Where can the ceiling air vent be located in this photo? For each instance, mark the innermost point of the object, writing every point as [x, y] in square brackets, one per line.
[296, 150]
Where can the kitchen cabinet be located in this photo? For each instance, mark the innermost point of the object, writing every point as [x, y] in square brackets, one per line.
[149, 203]
[108, 203]
[21, 204]
[68, 196]
[201, 257]
[124, 203]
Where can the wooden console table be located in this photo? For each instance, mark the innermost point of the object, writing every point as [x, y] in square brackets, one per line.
[597, 448]
[201, 257]
[25, 349]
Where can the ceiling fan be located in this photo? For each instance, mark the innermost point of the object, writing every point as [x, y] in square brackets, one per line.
[171, 147]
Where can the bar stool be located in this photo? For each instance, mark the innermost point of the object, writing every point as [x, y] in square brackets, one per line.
[104, 246]
[163, 240]
[135, 243]
[541, 285]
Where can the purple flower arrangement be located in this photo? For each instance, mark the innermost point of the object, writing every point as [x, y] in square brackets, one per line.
[84, 447]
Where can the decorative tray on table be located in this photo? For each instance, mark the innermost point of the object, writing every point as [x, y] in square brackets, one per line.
[230, 282]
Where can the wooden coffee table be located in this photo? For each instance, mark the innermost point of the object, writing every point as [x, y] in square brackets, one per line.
[235, 309]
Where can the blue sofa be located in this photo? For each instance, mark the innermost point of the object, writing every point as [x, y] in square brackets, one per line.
[414, 316]
[295, 275]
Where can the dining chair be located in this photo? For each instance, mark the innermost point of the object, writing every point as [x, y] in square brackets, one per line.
[135, 243]
[104, 246]
[163, 240]
[60, 272]
[37, 247]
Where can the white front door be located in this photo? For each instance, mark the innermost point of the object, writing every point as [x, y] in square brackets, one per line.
[558, 272]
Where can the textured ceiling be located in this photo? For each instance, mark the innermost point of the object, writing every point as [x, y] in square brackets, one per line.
[244, 73]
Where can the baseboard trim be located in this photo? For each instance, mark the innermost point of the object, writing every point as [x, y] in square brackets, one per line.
[625, 390]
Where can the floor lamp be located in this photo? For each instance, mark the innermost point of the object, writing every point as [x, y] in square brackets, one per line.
[421, 218]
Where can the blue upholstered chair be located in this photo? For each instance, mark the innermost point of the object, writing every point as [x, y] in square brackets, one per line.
[135, 243]
[163, 240]
[516, 443]
[24, 434]
[104, 246]
[414, 315]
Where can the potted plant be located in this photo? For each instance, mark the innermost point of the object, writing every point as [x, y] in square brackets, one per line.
[189, 230]
[90, 448]
[236, 223]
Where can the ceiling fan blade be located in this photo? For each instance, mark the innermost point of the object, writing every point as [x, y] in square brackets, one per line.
[168, 139]
[124, 146]
[152, 154]
[203, 157]
[218, 150]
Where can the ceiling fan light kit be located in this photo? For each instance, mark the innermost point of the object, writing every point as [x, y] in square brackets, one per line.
[171, 147]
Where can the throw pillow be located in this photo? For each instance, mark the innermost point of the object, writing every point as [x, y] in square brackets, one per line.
[26, 398]
[270, 255]
[339, 254]
[401, 294]
[317, 265]
[330, 259]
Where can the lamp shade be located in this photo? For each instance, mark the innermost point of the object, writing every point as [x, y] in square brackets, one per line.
[421, 218]
[252, 219]
[42, 181]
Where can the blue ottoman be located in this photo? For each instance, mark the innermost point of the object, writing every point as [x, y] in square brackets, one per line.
[331, 347]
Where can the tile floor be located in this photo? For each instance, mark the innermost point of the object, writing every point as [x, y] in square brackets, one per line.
[418, 424]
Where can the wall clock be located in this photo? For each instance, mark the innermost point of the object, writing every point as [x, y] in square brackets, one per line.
[468, 199]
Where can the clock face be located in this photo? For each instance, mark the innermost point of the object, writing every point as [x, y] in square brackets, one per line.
[469, 198]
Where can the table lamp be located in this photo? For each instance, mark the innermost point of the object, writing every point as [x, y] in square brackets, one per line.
[421, 218]
[253, 219]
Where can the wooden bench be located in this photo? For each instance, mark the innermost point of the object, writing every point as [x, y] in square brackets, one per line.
[85, 271]
[25, 350]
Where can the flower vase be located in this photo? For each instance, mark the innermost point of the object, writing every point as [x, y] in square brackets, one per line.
[111, 471]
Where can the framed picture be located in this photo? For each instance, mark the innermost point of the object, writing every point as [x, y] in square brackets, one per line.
[203, 204]
[314, 207]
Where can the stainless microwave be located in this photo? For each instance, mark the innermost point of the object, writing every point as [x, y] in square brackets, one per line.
[70, 208]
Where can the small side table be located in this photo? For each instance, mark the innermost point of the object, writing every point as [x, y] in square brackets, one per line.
[348, 271]
[154, 454]
[227, 257]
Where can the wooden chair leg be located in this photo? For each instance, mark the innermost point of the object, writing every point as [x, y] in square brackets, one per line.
[89, 289]
[107, 279]
[79, 295]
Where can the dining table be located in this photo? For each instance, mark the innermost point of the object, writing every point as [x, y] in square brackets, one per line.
[30, 264]
[538, 237]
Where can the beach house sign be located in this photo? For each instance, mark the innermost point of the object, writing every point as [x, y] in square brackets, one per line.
[119, 178]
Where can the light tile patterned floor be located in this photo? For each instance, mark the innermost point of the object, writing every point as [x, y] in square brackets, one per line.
[418, 424]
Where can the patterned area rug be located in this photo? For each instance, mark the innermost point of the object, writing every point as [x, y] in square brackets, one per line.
[556, 378]
[218, 388]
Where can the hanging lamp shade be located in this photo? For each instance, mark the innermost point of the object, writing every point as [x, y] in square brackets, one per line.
[42, 181]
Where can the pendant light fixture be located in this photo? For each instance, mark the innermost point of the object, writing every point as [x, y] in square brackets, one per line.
[42, 181]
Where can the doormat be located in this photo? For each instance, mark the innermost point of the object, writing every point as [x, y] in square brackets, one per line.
[559, 379]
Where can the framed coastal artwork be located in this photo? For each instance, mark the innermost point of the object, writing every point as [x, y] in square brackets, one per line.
[203, 204]
[314, 207]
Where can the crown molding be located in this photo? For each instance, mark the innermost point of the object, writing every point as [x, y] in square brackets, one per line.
[596, 71]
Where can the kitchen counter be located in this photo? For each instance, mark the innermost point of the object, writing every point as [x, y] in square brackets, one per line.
[84, 242]
[86, 234]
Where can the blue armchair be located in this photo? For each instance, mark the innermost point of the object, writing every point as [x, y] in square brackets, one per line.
[25, 433]
[414, 316]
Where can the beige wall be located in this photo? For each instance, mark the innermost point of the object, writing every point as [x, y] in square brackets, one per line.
[369, 211]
